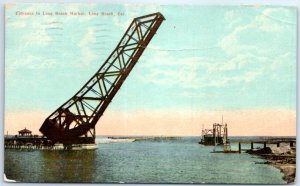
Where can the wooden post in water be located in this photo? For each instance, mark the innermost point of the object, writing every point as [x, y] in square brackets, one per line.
[278, 144]
[291, 143]
[251, 145]
[265, 144]
[239, 147]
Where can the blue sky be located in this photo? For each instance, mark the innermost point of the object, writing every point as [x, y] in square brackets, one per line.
[213, 57]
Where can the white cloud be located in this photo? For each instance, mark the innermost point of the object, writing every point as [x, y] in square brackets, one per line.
[200, 72]
[283, 67]
[87, 54]
[270, 59]
[231, 44]
[270, 21]
[232, 17]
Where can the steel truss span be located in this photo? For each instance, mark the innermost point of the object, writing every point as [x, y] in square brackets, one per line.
[74, 121]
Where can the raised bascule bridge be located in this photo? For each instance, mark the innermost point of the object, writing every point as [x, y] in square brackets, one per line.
[74, 122]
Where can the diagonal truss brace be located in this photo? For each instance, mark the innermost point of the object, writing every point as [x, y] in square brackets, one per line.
[79, 115]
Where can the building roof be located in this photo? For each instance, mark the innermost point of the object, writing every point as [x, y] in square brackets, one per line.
[25, 131]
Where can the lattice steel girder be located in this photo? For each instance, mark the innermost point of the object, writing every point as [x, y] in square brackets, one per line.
[79, 115]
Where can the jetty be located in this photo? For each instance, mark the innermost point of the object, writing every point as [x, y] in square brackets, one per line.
[218, 136]
[265, 142]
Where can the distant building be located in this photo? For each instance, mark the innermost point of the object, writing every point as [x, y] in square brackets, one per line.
[25, 132]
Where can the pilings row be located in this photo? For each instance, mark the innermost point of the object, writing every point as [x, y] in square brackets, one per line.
[32, 147]
[265, 144]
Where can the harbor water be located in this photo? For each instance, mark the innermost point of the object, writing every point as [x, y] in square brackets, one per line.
[180, 160]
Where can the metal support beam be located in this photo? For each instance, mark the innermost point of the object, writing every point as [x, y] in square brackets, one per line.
[79, 115]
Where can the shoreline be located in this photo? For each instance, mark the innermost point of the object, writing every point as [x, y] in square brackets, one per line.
[282, 158]
[288, 170]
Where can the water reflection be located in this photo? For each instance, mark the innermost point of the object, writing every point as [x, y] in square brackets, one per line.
[68, 166]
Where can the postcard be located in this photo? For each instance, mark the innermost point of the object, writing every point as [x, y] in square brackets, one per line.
[149, 93]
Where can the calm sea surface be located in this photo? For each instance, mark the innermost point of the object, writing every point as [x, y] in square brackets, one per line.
[161, 161]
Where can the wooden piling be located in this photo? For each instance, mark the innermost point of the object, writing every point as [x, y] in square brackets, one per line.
[265, 144]
[251, 145]
[291, 143]
[240, 147]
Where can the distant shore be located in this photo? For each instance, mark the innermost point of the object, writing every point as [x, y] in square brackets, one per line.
[152, 138]
[283, 158]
